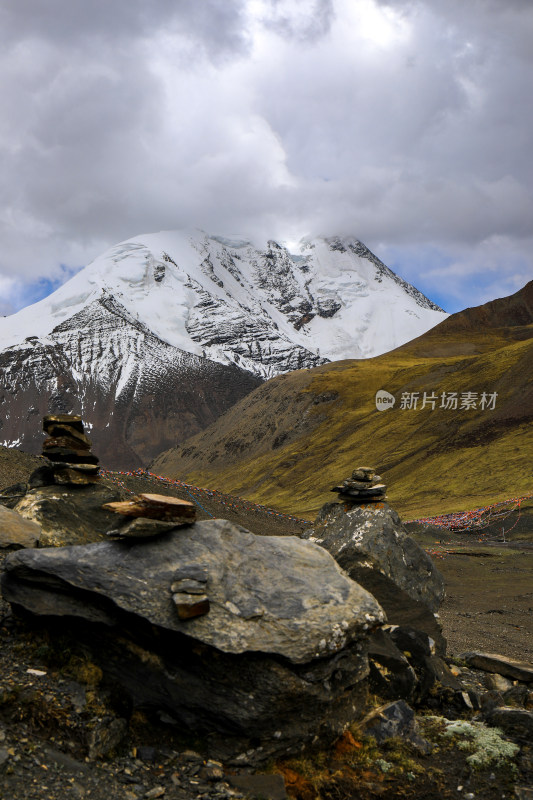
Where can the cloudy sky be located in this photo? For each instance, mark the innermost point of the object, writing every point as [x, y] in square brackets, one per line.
[407, 123]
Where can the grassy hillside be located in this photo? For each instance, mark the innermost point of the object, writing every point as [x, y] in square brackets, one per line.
[292, 438]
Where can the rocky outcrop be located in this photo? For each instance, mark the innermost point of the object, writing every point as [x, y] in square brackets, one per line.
[276, 663]
[369, 541]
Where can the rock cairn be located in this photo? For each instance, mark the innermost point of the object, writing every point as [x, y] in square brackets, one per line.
[189, 591]
[153, 515]
[363, 487]
[69, 449]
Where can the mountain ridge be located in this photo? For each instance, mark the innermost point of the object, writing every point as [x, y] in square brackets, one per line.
[435, 459]
[164, 332]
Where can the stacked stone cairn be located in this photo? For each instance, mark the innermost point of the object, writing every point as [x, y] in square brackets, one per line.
[155, 515]
[69, 449]
[363, 487]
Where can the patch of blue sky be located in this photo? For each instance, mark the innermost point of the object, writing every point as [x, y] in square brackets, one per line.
[456, 278]
[418, 266]
[28, 293]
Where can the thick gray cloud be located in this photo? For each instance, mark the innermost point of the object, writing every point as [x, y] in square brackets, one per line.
[404, 122]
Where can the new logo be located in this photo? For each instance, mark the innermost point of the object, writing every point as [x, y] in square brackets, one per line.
[384, 400]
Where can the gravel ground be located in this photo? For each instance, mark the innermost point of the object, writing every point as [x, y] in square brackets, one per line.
[63, 731]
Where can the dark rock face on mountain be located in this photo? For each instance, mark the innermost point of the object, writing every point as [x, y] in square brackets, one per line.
[277, 661]
[144, 393]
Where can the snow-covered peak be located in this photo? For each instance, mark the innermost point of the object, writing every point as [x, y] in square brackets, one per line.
[268, 307]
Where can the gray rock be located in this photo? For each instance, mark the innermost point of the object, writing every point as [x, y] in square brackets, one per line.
[371, 544]
[490, 700]
[262, 787]
[278, 662]
[10, 496]
[495, 663]
[364, 474]
[213, 771]
[395, 719]
[106, 735]
[65, 762]
[517, 696]
[419, 649]
[269, 594]
[192, 572]
[514, 722]
[17, 532]
[371, 492]
[497, 682]
[69, 514]
[391, 675]
[76, 694]
[188, 585]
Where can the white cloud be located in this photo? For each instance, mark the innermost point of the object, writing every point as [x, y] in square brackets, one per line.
[406, 123]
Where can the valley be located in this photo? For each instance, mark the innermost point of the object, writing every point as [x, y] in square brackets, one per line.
[293, 437]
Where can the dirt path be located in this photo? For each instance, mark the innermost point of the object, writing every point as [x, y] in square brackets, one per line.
[489, 602]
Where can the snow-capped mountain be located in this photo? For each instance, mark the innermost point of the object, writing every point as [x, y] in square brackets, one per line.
[163, 332]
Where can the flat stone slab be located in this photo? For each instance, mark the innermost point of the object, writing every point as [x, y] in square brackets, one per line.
[66, 420]
[155, 506]
[268, 594]
[514, 722]
[501, 665]
[17, 532]
[143, 528]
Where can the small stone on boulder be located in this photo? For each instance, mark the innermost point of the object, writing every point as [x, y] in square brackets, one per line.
[142, 528]
[190, 605]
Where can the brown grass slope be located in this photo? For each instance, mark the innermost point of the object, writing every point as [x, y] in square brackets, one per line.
[288, 441]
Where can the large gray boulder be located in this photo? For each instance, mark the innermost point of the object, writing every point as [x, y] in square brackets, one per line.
[276, 663]
[370, 543]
